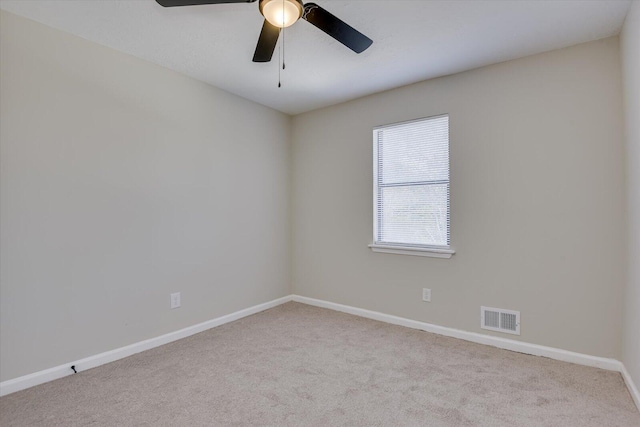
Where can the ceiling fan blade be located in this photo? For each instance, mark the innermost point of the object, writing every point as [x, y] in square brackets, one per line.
[172, 3]
[336, 28]
[266, 43]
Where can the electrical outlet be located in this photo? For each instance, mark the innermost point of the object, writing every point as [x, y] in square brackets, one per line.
[426, 294]
[175, 300]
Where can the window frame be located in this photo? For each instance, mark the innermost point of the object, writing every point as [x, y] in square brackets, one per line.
[437, 251]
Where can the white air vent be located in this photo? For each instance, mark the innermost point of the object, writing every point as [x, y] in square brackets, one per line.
[500, 320]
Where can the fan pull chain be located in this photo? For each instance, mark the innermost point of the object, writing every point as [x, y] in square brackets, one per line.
[281, 50]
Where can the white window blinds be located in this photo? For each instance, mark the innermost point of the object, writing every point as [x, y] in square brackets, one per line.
[411, 183]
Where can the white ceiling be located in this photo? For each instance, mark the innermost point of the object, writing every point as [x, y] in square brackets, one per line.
[413, 40]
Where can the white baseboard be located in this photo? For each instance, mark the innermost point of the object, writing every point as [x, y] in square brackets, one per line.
[26, 381]
[505, 343]
[633, 390]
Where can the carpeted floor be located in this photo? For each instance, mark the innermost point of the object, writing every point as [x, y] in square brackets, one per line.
[297, 365]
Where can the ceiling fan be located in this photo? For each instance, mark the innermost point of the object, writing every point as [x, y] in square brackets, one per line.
[283, 13]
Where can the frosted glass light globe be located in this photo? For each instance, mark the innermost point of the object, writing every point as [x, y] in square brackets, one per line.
[281, 13]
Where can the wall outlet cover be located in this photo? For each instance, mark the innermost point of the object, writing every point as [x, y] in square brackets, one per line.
[175, 300]
[426, 294]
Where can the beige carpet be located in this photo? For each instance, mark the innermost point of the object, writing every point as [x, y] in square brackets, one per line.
[297, 365]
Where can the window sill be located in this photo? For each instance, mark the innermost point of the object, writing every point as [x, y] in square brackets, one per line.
[416, 251]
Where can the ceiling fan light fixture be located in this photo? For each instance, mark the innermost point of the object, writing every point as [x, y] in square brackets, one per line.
[281, 13]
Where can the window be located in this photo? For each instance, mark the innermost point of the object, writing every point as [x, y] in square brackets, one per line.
[411, 188]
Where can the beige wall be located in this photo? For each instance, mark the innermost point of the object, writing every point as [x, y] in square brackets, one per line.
[630, 53]
[121, 182]
[537, 184]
